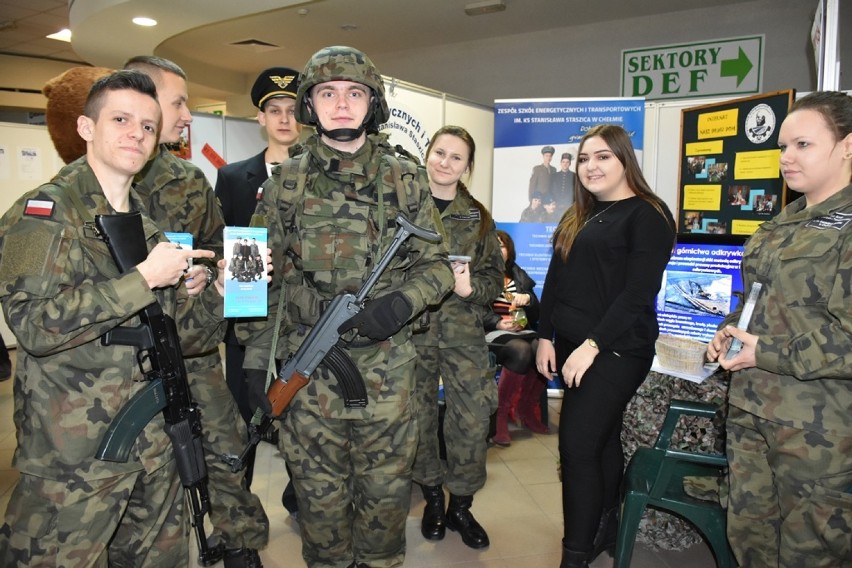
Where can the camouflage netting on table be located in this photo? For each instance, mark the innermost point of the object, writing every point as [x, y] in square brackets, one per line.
[642, 421]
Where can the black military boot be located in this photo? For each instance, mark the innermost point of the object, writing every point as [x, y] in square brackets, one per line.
[574, 558]
[434, 520]
[460, 519]
[242, 558]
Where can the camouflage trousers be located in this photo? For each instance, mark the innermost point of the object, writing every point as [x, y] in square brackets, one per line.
[470, 393]
[353, 483]
[789, 502]
[131, 520]
[236, 513]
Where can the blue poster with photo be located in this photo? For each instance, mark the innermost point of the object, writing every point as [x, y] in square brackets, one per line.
[245, 273]
[535, 151]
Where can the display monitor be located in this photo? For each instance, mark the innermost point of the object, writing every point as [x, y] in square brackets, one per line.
[701, 285]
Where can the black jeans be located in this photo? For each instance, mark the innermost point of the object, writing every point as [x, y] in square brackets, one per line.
[590, 449]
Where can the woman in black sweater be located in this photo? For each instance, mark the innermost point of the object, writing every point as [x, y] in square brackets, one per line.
[599, 328]
[514, 343]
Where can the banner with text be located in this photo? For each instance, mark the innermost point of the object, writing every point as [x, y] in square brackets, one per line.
[535, 150]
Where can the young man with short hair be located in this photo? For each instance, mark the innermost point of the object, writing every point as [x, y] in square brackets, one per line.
[179, 199]
[61, 291]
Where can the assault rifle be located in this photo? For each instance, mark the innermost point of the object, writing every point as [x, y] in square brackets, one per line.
[323, 345]
[161, 361]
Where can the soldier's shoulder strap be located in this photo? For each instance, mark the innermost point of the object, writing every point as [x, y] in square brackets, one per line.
[404, 174]
[294, 177]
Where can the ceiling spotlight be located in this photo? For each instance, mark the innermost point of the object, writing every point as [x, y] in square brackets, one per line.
[485, 7]
[142, 21]
[61, 35]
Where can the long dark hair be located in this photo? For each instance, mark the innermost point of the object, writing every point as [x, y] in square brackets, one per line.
[506, 241]
[486, 220]
[573, 219]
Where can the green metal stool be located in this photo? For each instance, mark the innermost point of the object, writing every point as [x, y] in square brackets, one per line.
[654, 478]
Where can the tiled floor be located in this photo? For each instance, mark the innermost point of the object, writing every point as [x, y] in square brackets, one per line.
[520, 507]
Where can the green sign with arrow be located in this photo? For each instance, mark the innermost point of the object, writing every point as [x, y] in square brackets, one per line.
[731, 66]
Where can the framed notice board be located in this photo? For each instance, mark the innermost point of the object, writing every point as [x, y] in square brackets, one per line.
[730, 180]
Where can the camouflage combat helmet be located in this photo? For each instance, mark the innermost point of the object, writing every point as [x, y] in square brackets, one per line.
[341, 63]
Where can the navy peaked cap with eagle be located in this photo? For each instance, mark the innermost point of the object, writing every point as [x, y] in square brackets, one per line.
[274, 82]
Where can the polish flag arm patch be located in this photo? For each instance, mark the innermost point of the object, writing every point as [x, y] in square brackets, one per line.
[39, 208]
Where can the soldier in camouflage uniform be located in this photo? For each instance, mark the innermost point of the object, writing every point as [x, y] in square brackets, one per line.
[351, 466]
[789, 433]
[179, 199]
[453, 348]
[61, 291]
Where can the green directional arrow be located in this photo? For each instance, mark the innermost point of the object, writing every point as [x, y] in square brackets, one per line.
[738, 67]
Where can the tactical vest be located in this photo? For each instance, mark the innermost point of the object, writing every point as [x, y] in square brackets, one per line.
[308, 243]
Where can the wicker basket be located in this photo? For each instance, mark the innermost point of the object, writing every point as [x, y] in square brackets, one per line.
[680, 354]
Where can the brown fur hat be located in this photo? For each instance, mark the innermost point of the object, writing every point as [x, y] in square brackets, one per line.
[66, 96]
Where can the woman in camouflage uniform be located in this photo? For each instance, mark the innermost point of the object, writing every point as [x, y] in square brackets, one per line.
[453, 348]
[789, 434]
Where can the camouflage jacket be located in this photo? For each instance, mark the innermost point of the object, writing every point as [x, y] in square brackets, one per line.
[459, 321]
[803, 317]
[324, 242]
[178, 198]
[61, 291]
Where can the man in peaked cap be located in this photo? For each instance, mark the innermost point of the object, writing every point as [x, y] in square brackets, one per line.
[562, 183]
[238, 184]
[238, 189]
[540, 178]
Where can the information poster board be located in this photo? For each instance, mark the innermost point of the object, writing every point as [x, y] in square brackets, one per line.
[535, 150]
[730, 180]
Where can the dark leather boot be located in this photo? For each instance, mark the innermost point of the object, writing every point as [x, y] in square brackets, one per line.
[574, 558]
[434, 521]
[607, 534]
[242, 558]
[460, 519]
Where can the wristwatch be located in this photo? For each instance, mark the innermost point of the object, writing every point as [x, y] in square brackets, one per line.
[211, 276]
[593, 343]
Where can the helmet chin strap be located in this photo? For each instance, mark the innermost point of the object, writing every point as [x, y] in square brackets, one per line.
[341, 134]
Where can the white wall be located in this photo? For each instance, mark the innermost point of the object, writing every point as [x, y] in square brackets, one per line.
[19, 175]
[585, 61]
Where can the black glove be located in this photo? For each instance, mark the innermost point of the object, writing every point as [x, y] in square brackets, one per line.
[381, 317]
[257, 391]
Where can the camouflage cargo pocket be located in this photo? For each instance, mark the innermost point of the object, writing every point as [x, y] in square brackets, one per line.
[829, 512]
[32, 510]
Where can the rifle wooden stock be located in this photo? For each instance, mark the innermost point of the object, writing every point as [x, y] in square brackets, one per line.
[280, 393]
